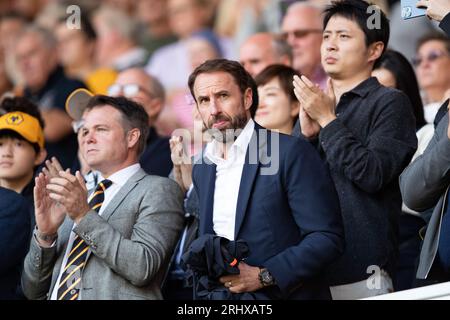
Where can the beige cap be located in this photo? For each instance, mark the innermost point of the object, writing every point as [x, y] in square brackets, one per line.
[77, 102]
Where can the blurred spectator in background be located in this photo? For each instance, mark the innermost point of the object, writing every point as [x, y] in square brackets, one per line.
[171, 64]
[117, 40]
[5, 82]
[153, 16]
[239, 19]
[201, 46]
[137, 85]
[126, 6]
[11, 24]
[302, 29]
[263, 49]
[46, 85]
[76, 53]
[28, 8]
[51, 14]
[432, 64]
[278, 107]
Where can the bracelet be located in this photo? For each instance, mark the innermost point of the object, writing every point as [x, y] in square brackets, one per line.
[46, 237]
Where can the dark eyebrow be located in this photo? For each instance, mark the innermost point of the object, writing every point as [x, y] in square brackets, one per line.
[95, 126]
[338, 31]
[221, 92]
[202, 97]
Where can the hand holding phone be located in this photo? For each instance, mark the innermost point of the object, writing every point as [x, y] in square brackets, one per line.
[409, 9]
[435, 9]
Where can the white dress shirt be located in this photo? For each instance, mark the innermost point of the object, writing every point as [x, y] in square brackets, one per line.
[228, 180]
[118, 179]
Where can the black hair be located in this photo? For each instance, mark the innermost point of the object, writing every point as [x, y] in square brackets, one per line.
[242, 78]
[405, 79]
[86, 27]
[283, 73]
[359, 12]
[14, 135]
[133, 115]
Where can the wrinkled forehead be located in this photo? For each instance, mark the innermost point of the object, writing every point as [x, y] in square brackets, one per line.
[432, 45]
[207, 83]
[101, 115]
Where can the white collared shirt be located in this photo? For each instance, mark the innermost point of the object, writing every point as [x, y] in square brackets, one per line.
[118, 179]
[228, 180]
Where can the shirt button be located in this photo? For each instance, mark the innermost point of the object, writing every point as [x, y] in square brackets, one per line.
[73, 291]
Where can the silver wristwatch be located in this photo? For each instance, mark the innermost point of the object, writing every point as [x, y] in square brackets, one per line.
[45, 237]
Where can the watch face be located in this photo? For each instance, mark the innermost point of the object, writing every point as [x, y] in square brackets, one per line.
[266, 277]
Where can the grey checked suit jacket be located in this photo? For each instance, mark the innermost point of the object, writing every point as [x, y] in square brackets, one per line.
[130, 244]
[424, 184]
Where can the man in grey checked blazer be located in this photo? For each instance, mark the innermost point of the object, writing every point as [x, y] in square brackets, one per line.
[132, 237]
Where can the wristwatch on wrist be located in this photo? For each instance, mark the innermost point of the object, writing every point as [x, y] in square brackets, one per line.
[265, 278]
[45, 237]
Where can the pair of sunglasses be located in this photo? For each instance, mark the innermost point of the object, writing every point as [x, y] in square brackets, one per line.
[128, 90]
[432, 56]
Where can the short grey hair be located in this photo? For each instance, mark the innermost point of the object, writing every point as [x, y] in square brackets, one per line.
[47, 37]
[119, 21]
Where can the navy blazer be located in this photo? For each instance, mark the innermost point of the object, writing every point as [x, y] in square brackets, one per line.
[290, 219]
[14, 241]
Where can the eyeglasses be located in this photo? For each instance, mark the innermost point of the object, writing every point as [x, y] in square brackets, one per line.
[128, 90]
[432, 56]
[298, 34]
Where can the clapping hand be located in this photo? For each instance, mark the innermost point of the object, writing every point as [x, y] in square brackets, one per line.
[182, 164]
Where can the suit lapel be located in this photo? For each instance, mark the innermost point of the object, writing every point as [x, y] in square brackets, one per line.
[119, 197]
[249, 173]
[63, 241]
[206, 187]
[122, 194]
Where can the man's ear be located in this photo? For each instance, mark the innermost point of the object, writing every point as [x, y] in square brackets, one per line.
[40, 157]
[248, 99]
[133, 137]
[375, 51]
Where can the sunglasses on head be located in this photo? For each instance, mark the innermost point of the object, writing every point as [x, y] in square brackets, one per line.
[127, 90]
[432, 56]
[300, 33]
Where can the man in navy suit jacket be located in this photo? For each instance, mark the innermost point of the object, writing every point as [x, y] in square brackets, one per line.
[14, 240]
[271, 190]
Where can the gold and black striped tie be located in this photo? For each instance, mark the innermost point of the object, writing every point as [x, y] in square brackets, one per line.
[69, 284]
